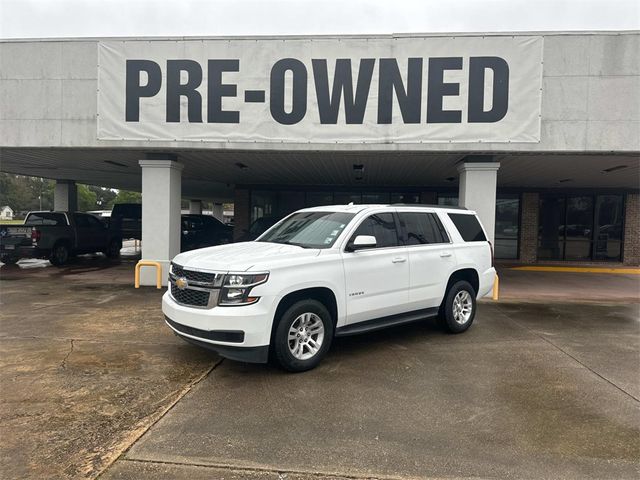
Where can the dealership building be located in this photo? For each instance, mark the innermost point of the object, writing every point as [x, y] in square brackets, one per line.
[537, 132]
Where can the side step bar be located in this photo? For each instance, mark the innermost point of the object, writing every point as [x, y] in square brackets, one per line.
[385, 322]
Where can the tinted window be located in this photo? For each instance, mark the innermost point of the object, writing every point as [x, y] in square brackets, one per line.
[45, 218]
[94, 222]
[468, 226]
[191, 223]
[127, 210]
[421, 228]
[81, 220]
[382, 226]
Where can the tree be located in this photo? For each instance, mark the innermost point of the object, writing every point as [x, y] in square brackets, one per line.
[87, 198]
[126, 196]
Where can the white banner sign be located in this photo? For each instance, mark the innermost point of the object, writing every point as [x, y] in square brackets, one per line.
[349, 90]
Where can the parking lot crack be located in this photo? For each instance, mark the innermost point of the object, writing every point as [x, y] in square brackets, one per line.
[63, 364]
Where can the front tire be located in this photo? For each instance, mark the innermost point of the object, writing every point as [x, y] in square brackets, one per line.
[59, 254]
[459, 307]
[9, 260]
[113, 249]
[303, 336]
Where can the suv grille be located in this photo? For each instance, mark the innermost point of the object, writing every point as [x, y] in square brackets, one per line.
[196, 298]
[192, 275]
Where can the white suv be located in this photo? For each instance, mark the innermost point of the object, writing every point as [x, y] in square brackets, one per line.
[330, 271]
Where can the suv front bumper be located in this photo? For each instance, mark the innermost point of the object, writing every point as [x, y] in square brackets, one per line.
[239, 333]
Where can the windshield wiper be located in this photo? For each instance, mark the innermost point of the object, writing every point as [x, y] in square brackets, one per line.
[286, 242]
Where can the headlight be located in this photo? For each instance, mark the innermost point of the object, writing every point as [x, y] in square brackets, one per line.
[236, 289]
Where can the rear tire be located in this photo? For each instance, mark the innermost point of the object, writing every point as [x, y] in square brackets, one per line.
[59, 254]
[303, 336]
[458, 308]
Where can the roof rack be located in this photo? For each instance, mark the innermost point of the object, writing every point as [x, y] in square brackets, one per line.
[426, 205]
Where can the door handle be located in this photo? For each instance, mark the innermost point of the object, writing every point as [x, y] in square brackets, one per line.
[445, 254]
[399, 260]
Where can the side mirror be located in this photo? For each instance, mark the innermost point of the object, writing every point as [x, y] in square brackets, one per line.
[362, 242]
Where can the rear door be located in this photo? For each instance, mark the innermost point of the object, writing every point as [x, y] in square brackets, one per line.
[431, 259]
[89, 238]
[376, 279]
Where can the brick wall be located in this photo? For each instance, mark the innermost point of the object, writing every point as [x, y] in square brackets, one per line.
[631, 253]
[529, 228]
[241, 212]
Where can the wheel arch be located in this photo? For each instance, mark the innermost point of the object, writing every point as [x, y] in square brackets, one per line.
[467, 274]
[324, 295]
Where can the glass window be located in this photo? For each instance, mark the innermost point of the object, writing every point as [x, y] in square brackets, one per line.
[405, 197]
[448, 200]
[263, 204]
[507, 226]
[81, 220]
[382, 226]
[551, 228]
[468, 226]
[45, 218]
[94, 222]
[309, 229]
[420, 228]
[319, 199]
[608, 233]
[375, 198]
[579, 228]
[345, 198]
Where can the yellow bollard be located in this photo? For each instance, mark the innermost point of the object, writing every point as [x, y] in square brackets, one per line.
[148, 263]
[496, 288]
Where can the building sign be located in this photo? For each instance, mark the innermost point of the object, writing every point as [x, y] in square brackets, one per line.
[322, 90]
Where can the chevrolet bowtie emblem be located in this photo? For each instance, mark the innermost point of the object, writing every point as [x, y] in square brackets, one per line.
[182, 283]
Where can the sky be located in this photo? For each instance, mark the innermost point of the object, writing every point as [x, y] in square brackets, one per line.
[114, 18]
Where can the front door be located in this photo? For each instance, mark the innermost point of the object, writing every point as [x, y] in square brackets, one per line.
[376, 279]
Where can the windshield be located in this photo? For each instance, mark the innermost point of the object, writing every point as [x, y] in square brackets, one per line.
[309, 229]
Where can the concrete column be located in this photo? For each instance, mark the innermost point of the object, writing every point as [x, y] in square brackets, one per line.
[65, 196]
[631, 241]
[477, 192]
[195, 207]
[161, 194]
[529, 212]
[217, 211]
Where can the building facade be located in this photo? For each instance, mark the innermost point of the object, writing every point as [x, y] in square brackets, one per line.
[538, 132]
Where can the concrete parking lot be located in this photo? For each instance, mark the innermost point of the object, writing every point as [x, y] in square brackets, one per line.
[94, 384]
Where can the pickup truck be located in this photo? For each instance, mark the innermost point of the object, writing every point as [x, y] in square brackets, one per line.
[330, 271]
[56, 236]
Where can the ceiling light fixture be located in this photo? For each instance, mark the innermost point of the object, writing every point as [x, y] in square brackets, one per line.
[358, 170]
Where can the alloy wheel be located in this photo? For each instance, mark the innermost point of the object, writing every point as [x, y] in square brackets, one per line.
[306, 335]
[462, 307]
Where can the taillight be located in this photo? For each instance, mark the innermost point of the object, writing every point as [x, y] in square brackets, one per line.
[491, 247]
[35, 235]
